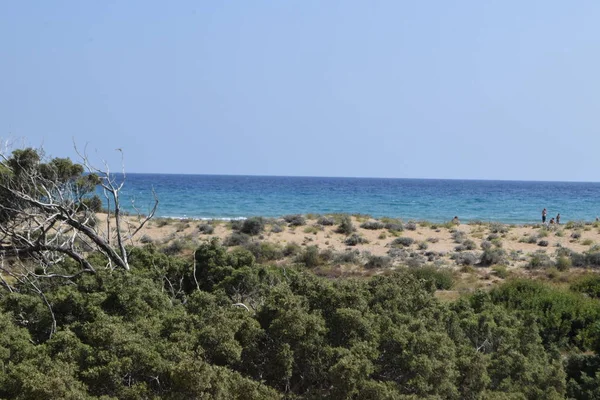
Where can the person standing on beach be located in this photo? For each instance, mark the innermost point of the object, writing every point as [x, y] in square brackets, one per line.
[544, 213]
[558, 219]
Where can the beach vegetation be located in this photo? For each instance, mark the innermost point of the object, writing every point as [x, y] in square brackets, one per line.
[433, 239]
[354, 240]
[402, 242]
[410, 226]
[423, 245]
[378, 262]
[458, 236]
[314, 229]
[496, 227]
[563, 263]
[291, 249]
[587, 242]
[295, 220]
[326, 221]
[252, 226]
[465, 258]
[236, 239]
[440, 278]
[146, 239]
[345, 226]
[276, 228]
[235, 224]
[543, 243]
[500, 271]
[265, 251]
[486, 245]
[372, 225]
[310, 257]
[540, 260]
[382, 236]
[347, 257]
[493, 256]
[206, 229]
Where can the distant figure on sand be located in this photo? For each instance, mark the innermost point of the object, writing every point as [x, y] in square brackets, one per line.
[551, 221]
[455, 220]
[558, 219]
[544, 213]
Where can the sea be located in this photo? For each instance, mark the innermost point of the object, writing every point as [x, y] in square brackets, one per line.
[435, 200]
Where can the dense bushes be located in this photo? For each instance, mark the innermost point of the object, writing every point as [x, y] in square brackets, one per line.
[224, 326]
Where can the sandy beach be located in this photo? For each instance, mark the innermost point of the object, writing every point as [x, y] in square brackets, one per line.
[535, 250]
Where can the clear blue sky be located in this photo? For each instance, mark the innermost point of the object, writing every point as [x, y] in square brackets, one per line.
[419, 89]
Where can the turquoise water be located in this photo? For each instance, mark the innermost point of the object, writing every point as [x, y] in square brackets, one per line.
[226, 196]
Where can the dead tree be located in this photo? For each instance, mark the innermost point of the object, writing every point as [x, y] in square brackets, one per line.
[48, 214]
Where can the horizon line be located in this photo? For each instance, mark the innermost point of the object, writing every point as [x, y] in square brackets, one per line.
[355, 177]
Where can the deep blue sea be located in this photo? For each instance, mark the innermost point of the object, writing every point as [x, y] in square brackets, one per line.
[227, 196]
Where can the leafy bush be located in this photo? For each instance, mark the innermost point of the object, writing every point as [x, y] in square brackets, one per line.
[291, 249]
[563, 263]
[372, 225]
[500, 271]
[469, 244]
[236, 239]
[265, 251]
[347, 257]
[326, 221]
[411, 226]
[145, 239]
[253, 226]
[294, 220]
[486, 245]
[423, 245]
[465, 258]
[310, 257]
[394, 227]
[276, 228]
[442, 278]
[345, 226]
[355, 239]
[496, 227]
[540, 260]
[206, 229]
[236, 224]
[402, 242]
[493, 256]
[543, 243]
[589, 285]
[378, 262]
[459, 236]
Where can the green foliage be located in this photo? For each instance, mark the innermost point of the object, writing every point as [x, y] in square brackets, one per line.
[345, 227]
[402, 242]
[295, 220]
[492, 256]
[441, 278]
[372, 225]
[253, 226]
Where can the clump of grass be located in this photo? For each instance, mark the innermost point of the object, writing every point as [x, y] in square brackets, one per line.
[382, 236]
[563, 263]
[531, 239]
[459, 236]
[587, 242]
[433, 240]
[145, 239]
[314, 229]
[500, 271]
[423, 245]
[309, 257]
[493, 256]
[539, 260]
[496, 227]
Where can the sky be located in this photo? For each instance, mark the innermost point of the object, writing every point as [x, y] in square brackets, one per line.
[405, 89]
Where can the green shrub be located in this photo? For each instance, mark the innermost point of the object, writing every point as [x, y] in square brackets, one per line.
[442, 278]
[310, 257]
[355, 239]
[372, 225]
[563, 263]
[411, 226]
[294, 220]
[459, 236]
[374, 262]
[326, 221]
[500, 271]
[347, 257]
[394, 226]
[402, 242]
[345, 226]
[423, 245]
[265, 251]
[253, 226]
[465, 258]
[236, 239]
[493, 256]
[206, 229]
[291, 249]
[589, 285]
[540, 260]
[543, 243]
[496, 227]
